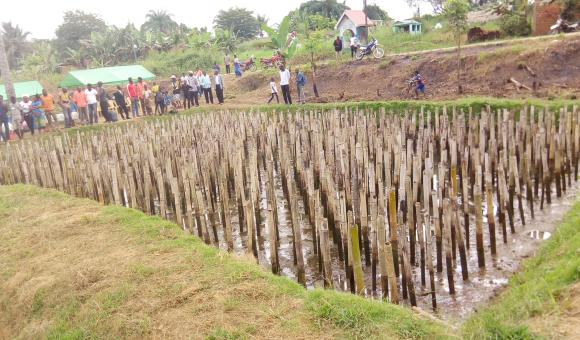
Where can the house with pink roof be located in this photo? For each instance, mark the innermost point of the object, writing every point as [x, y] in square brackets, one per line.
[355, 23]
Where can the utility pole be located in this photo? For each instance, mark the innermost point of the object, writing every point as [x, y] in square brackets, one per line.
[5, 70]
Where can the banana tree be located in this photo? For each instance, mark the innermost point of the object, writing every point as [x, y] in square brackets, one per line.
[282, 39]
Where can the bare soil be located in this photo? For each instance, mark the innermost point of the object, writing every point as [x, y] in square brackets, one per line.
[486, 73]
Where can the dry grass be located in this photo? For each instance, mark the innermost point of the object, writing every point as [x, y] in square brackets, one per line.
[73, 269]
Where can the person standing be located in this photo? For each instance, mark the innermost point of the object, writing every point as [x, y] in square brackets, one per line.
[237, 67]
[216, 67]
[48, 107]
[103, 101]
[5, 133]
[38, 114]
[147, 97]
[354, 45]
[15, 116]
[154, 90]
[219, 86]
[285, 84]
[300, 83]
[80, 99]
[206, 86]
[25, 107]
[227, 61]
[92, 101]
[121, 102]
[64, 103]
[193, 89]
[337, 47]
[140, 93]
[175, 92]
[134, 97]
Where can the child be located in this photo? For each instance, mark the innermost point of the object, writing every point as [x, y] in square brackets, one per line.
[420, 84]
[274, 91]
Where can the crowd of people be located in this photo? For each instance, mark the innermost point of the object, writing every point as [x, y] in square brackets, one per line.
[138, 98]
[38, 112]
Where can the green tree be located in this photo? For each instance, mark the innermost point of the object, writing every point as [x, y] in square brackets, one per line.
[311, 43]
[374, 12]
[43, 60]
[455, 11]
[159, 21]
[225, 40]
[15, 41]
[331, 9]
[239, 20]
[77, 26]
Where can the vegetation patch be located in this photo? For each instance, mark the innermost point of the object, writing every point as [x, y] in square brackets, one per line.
[539, 291]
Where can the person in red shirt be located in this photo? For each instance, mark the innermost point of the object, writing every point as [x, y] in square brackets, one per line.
[133, 93]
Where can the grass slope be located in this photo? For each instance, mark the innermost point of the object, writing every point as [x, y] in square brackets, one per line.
[73, 269]
[542, 300]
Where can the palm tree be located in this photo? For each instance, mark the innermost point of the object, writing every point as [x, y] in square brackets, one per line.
[159, 21]
[5, 70]
[15, 40]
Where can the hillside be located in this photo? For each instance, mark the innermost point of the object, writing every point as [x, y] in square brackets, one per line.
[487, 68]
[73, 269]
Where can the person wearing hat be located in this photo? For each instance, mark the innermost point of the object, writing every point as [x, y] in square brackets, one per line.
[64, 102]
[175, 92]
[25, 107]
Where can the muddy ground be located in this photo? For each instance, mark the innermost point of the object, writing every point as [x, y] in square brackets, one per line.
[554, 65]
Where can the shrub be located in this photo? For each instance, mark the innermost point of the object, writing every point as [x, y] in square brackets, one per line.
[515, 25]
[177, 62]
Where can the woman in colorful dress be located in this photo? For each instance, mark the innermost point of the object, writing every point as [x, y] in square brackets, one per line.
[38, 114]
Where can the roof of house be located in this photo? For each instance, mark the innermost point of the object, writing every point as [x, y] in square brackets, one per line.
[357, 17]
[23, 88]
[406, 22]
[107, 75]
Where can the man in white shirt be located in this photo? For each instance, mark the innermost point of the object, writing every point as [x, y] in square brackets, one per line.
[285, 84]
[91, 95]
[354, 44]
[219, 86]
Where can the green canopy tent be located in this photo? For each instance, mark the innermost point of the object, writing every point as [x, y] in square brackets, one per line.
[25, 87]
[108, 75]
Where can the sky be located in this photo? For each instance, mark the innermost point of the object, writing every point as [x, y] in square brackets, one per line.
[41, 20]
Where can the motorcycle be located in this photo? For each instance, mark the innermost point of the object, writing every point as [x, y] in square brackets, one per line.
[249, 65]
[275, 61]
[562, 26]
[372, 48]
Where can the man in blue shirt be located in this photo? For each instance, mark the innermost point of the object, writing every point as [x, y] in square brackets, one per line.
[300, 83]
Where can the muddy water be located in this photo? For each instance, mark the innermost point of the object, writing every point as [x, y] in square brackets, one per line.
[482, 284]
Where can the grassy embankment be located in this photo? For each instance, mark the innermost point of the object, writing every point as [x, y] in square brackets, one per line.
[543, 299]
[400, 106]
[73, 269]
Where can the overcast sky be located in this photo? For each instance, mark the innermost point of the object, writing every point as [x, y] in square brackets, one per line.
[41, 18]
